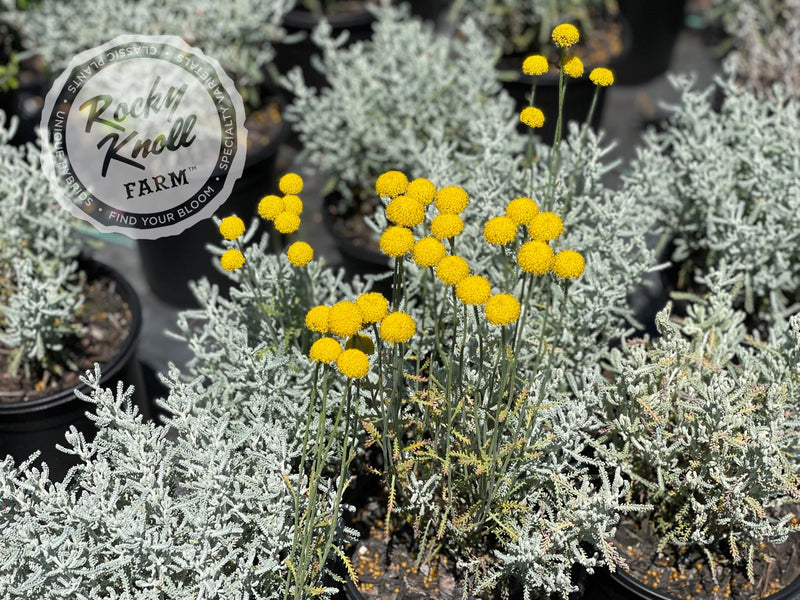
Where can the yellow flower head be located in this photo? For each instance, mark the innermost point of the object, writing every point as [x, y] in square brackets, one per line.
[391, 184]
[535, 65]
[396, 241]
[602, 77]
[300, 254]
[502, 309]
[532, 117]
[451, 200]
[545, 226]
[446, 226]
[500, 230]
[422, 190]
[397, 328]
[565, 35]
[405, 211]
[428, 251]
[317, 318]
[287, 222]
[452, 269]
[373, 306]
[572, 66]
[360, 342]
[291, 183]
[568, 264]
[344, 319]
[474, 290]
[231, 227]
[293, 204]
[270, 207]
[231, 260]
[325, 350]
[353, 363]
[521, 210]
[535, 257]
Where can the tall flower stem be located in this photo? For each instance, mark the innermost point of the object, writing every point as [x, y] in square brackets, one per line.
[555, 157]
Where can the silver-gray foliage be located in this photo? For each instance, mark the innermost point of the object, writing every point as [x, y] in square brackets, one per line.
[239, 34]
[390, 96]
[145, 517]
[724, 185]
[40, 288]
[518, 26]
[703, 420]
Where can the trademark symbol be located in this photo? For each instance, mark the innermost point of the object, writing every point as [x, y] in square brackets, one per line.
[192, 168]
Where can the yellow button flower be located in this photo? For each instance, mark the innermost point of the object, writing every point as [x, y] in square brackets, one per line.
[446, 226]
[451, 200]
[373, 306]
[521, 210]
[287, 222]
[535, 65]
[602, 77]
[325, 350]
[452, 269]
[535, 257]
[353, 363]
[344, 319]
[396, 241]
[502, 309]
[391, 184]
[428, 251]
[545, 226]
[291, 184]
[532, 117]
[572, 66]
[317, 318]
[422, 190]
[270, 207]
[397, 328]
[293, 204]
[568, 264]
[405, 211]
[360, 342]
[500, 231]
[300, 254]
[231, 227]
[231, 260]
[474, 290]
[565, 35]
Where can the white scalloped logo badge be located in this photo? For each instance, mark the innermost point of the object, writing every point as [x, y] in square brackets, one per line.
[144, 136]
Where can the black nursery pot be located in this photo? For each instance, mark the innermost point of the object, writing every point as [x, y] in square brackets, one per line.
[40, 424]
[357, 258]
[621, 586]
[651, 29]
[171, 262]
[356, 23]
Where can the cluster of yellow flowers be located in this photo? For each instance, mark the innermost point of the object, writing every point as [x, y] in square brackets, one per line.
[284, 212]
[535, 256]
[232, 228]
[407, 209]
[345, 320]
[564, 36]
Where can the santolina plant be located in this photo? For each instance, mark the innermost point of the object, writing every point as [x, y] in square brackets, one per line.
[741, 161]
[224, 31]
[517, 27]
[388, 97]
[703, 421]
[40, 283]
